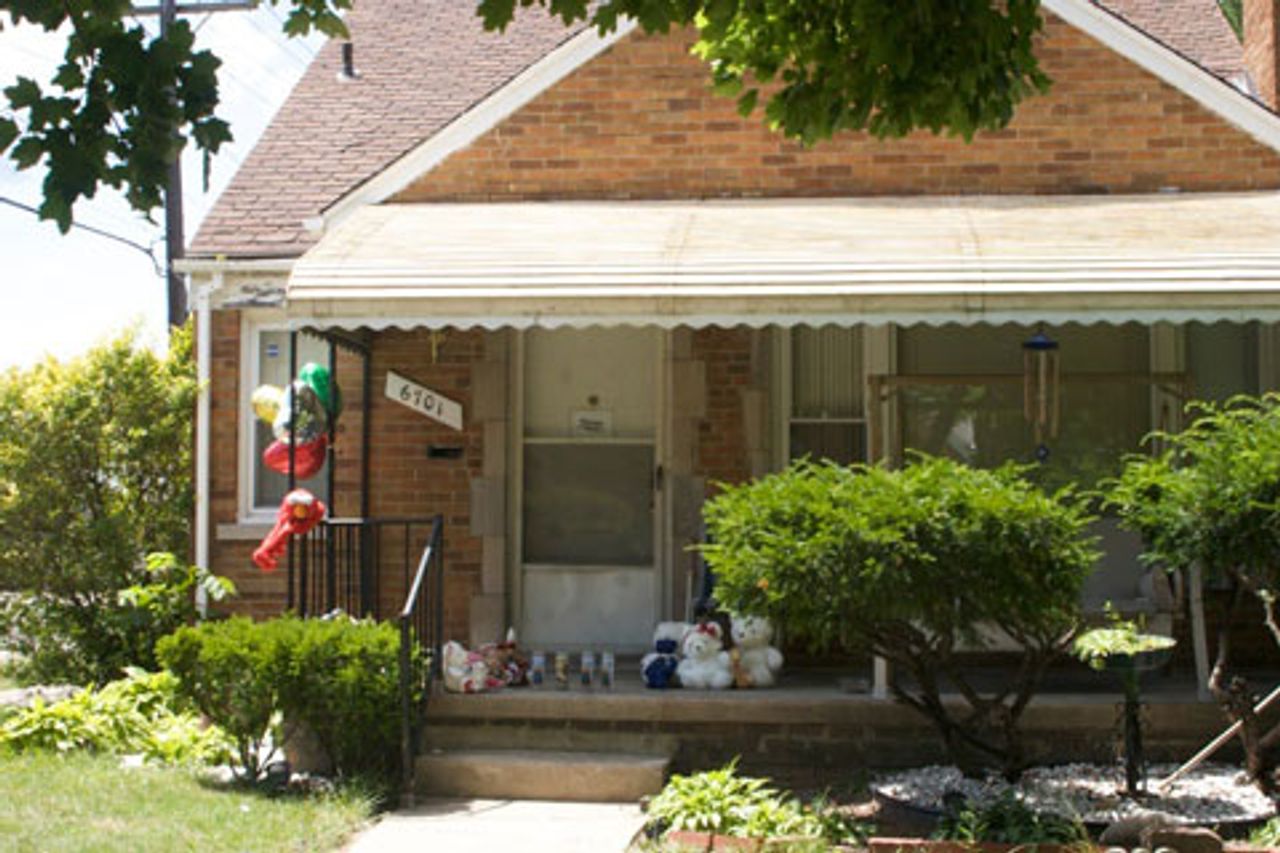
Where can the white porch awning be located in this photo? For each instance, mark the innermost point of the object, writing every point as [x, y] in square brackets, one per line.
[990, 259]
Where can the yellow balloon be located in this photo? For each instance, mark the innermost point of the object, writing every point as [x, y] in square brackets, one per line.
[266, 402]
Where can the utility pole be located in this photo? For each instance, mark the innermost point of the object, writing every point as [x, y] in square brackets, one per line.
[174, 236]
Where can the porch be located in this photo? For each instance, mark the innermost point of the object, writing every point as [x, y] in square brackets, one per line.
[819, 728]
[565, 402]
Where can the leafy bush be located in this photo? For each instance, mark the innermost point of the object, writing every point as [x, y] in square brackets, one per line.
[338, 677]
[1008, 820]
[1122, 637]
[95, 472]
[722, 802]
[228, 670]
[342, 681]
[1267, 835]
[1212, 498]
[137, 714]
[914, 565]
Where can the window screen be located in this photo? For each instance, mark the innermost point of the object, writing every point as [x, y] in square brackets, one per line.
[826, 418]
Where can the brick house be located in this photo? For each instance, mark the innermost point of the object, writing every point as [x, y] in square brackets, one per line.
[633, 294]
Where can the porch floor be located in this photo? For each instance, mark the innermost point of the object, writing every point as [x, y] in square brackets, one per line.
[812, 730]
[821, 694]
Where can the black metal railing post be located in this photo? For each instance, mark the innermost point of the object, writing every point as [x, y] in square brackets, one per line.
[414, 630]
[437, 615]
[344, 554]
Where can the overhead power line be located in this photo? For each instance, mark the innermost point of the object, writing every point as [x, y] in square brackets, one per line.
[146, 250]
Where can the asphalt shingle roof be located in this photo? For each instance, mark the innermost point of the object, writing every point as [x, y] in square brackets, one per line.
[1194, 28]
[423, 63]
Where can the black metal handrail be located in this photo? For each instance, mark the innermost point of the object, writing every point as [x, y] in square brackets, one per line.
[421, 620]
[339, 564]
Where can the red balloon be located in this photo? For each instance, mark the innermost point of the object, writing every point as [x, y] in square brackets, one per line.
[308, 460]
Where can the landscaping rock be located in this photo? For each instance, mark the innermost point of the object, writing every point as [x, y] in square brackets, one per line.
[1210, 794]
[48, 693]
[1184, 839]
[1130, 831]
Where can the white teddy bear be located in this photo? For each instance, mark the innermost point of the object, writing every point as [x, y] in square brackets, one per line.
[705, 663]
[756, 663]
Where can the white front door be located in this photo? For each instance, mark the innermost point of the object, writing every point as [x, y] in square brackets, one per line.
[589, 488]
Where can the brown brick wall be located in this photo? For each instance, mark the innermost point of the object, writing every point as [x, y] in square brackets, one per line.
[722, 447]
[640, 122]
[403, 481]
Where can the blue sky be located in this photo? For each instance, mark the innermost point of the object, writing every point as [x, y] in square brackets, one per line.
[61, 294]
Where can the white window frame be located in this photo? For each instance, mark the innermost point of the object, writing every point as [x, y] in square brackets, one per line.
[783, 402]
[252, 325]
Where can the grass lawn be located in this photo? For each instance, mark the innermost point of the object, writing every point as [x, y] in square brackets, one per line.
[84, 802]
[7, 682]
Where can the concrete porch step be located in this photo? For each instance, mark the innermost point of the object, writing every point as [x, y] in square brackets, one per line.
[529, 774]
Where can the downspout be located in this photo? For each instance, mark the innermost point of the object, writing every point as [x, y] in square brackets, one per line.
[204, 360]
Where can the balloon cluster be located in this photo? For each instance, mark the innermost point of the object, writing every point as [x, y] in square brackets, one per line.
[312, 402]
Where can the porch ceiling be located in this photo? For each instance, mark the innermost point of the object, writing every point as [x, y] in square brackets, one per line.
[798, 261]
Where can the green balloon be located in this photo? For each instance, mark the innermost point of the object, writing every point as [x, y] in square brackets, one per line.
[316, 376]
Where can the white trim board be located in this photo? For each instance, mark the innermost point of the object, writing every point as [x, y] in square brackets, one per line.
[475, 122]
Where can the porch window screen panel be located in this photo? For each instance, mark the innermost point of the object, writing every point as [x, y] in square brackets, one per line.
[1222, 359]
[272, 366]
[968, 401]
[827, 418]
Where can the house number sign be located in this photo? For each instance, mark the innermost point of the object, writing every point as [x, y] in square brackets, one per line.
[424, 401]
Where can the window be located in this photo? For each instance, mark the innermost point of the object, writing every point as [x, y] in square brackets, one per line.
[826, 418]
[962, 396]
[266, 357]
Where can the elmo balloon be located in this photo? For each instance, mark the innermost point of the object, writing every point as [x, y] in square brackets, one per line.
[299, 512]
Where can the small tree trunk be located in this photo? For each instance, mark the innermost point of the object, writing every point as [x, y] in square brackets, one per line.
[1236, 701]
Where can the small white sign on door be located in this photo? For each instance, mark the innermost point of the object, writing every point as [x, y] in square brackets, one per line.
[424, 401]
[591, 423]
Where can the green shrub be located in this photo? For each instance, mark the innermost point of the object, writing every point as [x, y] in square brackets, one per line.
[338, 677]
[1212, 499]
[913, 565]
[1008, 820]
[137, 714]
[228, 670]
[1267, 835]
[722, 802]
[342, 680]
[95, 472]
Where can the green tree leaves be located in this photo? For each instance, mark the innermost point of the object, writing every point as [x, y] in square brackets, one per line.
[122, 104]
[95, 473]
[913, 565]
[823, 66]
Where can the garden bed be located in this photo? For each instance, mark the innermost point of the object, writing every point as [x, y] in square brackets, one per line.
[1210, 795]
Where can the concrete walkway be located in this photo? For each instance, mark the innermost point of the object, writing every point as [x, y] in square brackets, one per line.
[530, 826]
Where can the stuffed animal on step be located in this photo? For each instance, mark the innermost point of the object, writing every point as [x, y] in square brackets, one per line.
[464, 671]
[756, 663]
[505, 661]
[658, 668]
[706, 663]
